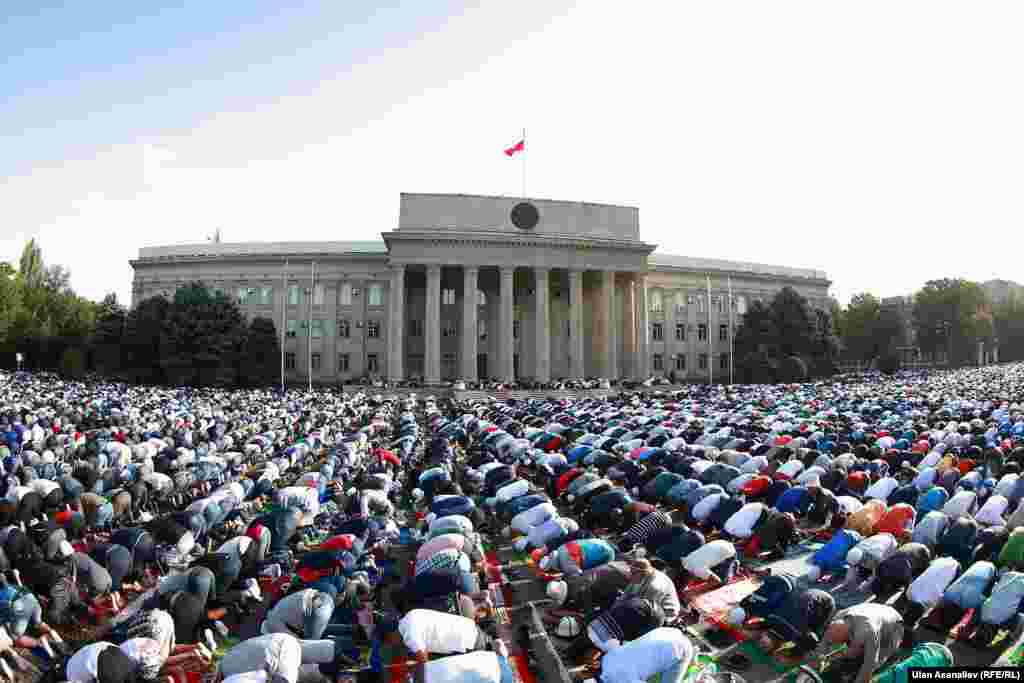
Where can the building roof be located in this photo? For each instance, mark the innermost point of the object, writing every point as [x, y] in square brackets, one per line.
[662, 260]
[276, 249]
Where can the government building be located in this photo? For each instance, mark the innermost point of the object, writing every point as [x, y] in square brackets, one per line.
[471, 287]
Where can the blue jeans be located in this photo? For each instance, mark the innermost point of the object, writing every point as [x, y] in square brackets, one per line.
[198, 581]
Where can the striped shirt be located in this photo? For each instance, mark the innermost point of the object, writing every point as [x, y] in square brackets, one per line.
[647, 526]
[448, 561]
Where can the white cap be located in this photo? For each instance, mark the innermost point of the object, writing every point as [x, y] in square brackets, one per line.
[521, 544]
[65, 549]
[814, 573]
[418, 494]
[571, 525]
[507, 532]
[854, 556]
[640, 553]
[558, 591]
[570, 498]
[905, 464]
[351, 492]
[737, 616]
[568, 627]
[545, 562]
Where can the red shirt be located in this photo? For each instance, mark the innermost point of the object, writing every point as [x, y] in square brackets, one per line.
[896, 520]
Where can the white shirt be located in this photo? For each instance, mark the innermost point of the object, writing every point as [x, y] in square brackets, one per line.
[44, 486]
[520, 487]
[480, 666]
[425, 630]
[741, 523]
[707, 505]
[250, 677]
[654, 652]
[877, 547]
[810, 474]
[928, 588]
[991, 512]
[882, 488]
[1006, 484]
[756, 464]
[701, 560]
[848, 504]
[236, 547]
[960, 504]
[547, 531]
[925, 478]
[378, 498]
[791, 468]
[932, 459]
[538, 514]
[84, 664]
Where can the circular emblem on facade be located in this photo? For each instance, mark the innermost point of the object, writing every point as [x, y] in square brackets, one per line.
[525, 216]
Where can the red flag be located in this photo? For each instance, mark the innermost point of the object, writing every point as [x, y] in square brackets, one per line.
[518, 147]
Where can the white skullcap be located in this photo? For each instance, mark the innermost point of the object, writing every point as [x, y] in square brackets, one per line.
[418, 494]
[571, 525]
[545, 562]
[65, 549]
[568, 627]
[854, 556]
[558, 591]
[814, 573]
[521, 544]
[570, 498]
[507, 532]
[737, 616]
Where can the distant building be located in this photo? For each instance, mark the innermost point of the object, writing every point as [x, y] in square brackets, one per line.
[1000, 292]
[478, 287]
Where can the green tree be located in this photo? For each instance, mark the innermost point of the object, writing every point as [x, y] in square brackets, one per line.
[143, 337]
[107, 341]
[794, 321]
[952, 314]
[1008, 327]
[203, 338]
[261, 360]
[859, 322]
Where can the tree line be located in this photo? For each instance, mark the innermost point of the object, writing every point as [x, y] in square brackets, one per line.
[196, 338]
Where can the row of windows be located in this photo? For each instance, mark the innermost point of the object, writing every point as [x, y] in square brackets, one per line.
[658, 332]
[322, 328]
[299, 295]
[344, 362]
[680, 300]
[679, 362]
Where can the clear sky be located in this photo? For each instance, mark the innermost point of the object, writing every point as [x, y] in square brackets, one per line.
[881, 141]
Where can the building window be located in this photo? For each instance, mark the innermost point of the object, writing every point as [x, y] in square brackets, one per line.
[680, 362]
[289, 360]
[292, 330]
[371, 363]
[659, 362]
[448, 297]
[691, 300]
[723, 362]
[296, 295]
[342, 362]
[680, 302]
[702, 361]
[373, 329]
[702, 332]
[314, 362]
[481, 298]
[318, 295]
[344, 328]
[243, 295]
[449, 329]
[515, 329]
[719, 303]
[657, 331]
[266, 296]
[740, 303]
[702, 304]
[376, 295]
[680, 331]
[318, 329]
[481, 329]
[657, 301]
[723, 333]
[415, 328]
[345, 294]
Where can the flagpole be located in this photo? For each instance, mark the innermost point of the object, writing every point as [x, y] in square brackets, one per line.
[284, 312]
[309, 325]
[711, 339]
[732, 335]
[524, 164]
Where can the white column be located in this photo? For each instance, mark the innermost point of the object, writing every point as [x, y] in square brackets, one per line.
[611, 365]
[432, 327]
[506, 340]
[668, 306]
[396, 331]
[576, 323]
[542, 325]
[629, 346]
[643, 330]
[469, 322]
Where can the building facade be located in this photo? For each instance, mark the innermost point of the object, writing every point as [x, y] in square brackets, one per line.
[471, 287]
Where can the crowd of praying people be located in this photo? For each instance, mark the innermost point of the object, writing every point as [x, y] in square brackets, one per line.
[159, 534]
